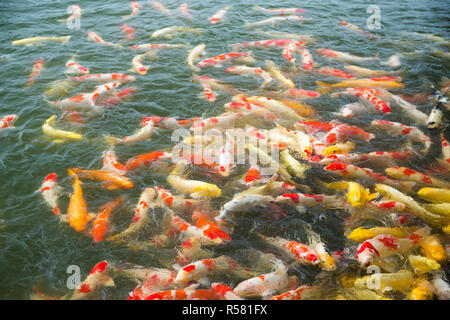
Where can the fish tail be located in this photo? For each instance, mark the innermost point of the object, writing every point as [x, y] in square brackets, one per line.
[111, 140]
[65, 39]
[324, 88]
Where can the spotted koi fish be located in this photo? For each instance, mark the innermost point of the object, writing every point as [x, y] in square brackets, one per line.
[97, 279]
[290, 49]
[218, 16]
[111, 163]
[37, 69]
[208, 94]
[406, 174]
[145, 160]
[275, 20]
[311, 200]
[342, 132]
[92, 36]
[104, 78]
[335, 73]
[224, 292]
[102, 89]
[135, 9]
[171, 123]
[8, 121]
[74, 67]
[50, 192]
[307, 59]
[301, 93]
[355, 28]
[244, 57]
[277, 43]
[128, 31]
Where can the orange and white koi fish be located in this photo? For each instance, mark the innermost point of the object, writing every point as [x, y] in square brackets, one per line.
[364, 72]
[111, 181]
[352, 110]
[314, 127]
[145, 160]
[189, 293]
[77, 214]
[179, 203]
[275, 106]
[224, 292]
[290, 49]
[211, 229]
[214, 84]
[138, 66]
[343, 132]
[246, 106]
[128, 31]
[193, 54]
[37, 40]
[100, 90]
[226, 157]
[8, 121]
[275, 20]
[401, 155]
[386, 206]
[97, 278]
[286, 35]
[278, 43]
[311, 200]
[385, 245]
[112, 164]
[396, 129]
[170, 123]
[355, 28]
[344, 158]
[279, 11]
[79, 102]
[228, 120]
[218, 16]
[406, 174]
[76, 13]
[241, 57]
[154, 280]
[37, 69]
[92, 36]
[307, 59]
[50, 192]
[135, 9]
[296, 294]
[74, 67]
[343, 56]
[208, 94]
[334, 72]
[445, 158]
[188, 231]
[273, 69]
[185, 10]
[301, 94]
[145, 133]
[200, 269]
[265, 285]
[101, 224]
[248, 71]
[157, 46]
[160, 7]
[104, 78]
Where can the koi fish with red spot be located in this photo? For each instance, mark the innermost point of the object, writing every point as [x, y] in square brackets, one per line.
[50, 192]
[97, 279]
[8, 121]
[37, 69]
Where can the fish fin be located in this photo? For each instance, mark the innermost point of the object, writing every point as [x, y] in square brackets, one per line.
[324, 88]
[109, 282]
[111, 140]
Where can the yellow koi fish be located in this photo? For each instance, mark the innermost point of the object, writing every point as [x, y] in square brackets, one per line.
[59, 135]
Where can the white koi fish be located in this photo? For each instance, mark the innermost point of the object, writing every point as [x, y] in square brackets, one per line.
[218, 16]
[343, 56]
[275, 20]
[169, 31]
[193, 54]
[145, 133]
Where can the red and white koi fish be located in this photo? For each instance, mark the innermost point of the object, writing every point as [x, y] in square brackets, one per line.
[278, 43]
[396, 129]
[104, 78]
[406, 174]
[265, 285]
[211, 228]
[154, 280]
[335, 73]
[101, 90]
[218, 16]
[74, 67]
[355, 28]
[111, 163]
[242, 57]
[226, 157]
[171, 123]
[307, 59]
[275, 20]
[409, 110]
[385, 245]
[300, 94]
[343, 56]
[295, 294]
[97, 278]
[311, 200]
[185, 10]
[189, 293]
[246, 106]
[145, 133]
[76, 13]
[92, 36]
[145, 160]
[179, 203]
[8, 121]
[344, 158]
[401, 155]
[208, 94]
[128, 31]
[386, 206]
[248, 71]
[101, 224]
[50, 192]
[224, 292]
[279, 11]
[135, 9]
[161, 8]
[288, 51]
[343, 132]
[138, 66]
[214, 84]
[193, 54]
[314, 127]
[227, 120]
[199, 269]
[37, 69]
[188, 231]
[445, 158]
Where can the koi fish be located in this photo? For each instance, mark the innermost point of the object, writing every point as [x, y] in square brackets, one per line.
[145, 133]
[138, 66]
[311, 200]
[355, 28]
[279, 11]
[157, 46]
[79, 102]
[326, 87]
[104, 78]
[281, 43]
[111, 181]
[273, 69]
[77, 214]
[275, 20]
[307, 59]
[423, 265]
[8, 121]
[193, 54]
[343, 56]
[211, 229]
[248, 71]
[36, 40]
[265, 285]
[189, 293]
[135, 9]
[193, 187]
[101, 224]
[339, 148]
[97, 278]
[342, 132]
[154, 280]
[286, 35]
[402, 173]
[59, 135]
[224, 292]
[170, 123]
[435, 195]
[74, 67]
[50, 192]
[241, 202]
[208, 94]
[76, 13]
[92, 36]
[344, 158]
[160, 7]
[241, 57]
[112, 164]
[275, 106]
[128, 31]
[169, 31]
[335, 73]
[218, 16]
[432, 248]
[400, 281]
[189, 231]
[393, 61]
[422, 291]
[37, 69]
[362, 234]
[301, 93]
[300, 293]
[356, 195]
[146, 159]
[100, 90]
[185, 10]
[364, 72]
[290, 49]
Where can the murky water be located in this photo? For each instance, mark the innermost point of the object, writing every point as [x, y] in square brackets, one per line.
[35, 249]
